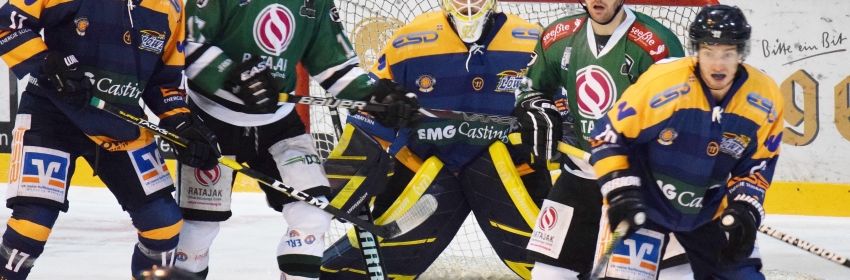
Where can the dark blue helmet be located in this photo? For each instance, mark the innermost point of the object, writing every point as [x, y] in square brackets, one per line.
[720, 25]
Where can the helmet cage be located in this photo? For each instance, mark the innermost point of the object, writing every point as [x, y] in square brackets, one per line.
[468, 25]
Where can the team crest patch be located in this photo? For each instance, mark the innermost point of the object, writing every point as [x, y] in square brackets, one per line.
[565, 60]
[426, 83]
[509, 80]
[548, 218]
[734, 144]
[152, 41]
[82, 23]
[477, 83]
[274, 28]
[595, 90]
[667, 136]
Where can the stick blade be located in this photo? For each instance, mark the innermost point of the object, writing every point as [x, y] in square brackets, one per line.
[415, 216]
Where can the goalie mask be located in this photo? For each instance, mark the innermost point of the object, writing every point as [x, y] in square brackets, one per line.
[469, 17]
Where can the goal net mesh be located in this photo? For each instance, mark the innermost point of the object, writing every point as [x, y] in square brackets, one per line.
[371, 23]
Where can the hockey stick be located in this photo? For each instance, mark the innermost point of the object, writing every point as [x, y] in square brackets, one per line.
[366, 106]
[617, 238]
[370, 249]
[809, 247]
[417, 214]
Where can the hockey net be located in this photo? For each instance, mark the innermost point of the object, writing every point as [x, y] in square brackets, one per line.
[371, 23]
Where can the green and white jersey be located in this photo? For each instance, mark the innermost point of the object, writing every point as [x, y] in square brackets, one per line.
[593, 77]
[222, 33]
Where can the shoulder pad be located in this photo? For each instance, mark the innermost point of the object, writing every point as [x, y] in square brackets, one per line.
[650, 42]
[561, 30]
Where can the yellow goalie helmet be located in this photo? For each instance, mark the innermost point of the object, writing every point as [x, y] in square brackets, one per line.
[469, 17]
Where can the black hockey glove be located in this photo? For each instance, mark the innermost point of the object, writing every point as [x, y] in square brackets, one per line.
[252, 81]
[625, 202]
[401, 106]
[72, 85]
[741, 220]
[202, 151]
[541, 127]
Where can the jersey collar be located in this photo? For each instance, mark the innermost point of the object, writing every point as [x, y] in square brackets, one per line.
[615, 37]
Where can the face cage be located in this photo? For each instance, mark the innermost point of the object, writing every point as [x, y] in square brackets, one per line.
[450, 9]
[743, 48]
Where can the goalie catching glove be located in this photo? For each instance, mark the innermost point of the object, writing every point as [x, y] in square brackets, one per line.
[253, 83]
[202, 151]
[541, 127]
[402, 107]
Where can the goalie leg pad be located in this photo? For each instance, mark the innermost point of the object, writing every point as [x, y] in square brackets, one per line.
[196, 237]
[504, 208]
[300, 249]
[412, 253]
[357, 169]
[158, 222]
[26, 234]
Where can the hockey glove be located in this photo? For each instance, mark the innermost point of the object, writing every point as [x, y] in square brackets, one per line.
[541, 127]
[625, 202]
[72, 85]
[401, 106]
[252, 81]
[202, 151]
[740, 220]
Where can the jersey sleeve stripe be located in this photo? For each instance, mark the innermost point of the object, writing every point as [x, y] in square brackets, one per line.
[24, 52]
[343, 82]
[328, 73]
[201, 58]
[611, 163]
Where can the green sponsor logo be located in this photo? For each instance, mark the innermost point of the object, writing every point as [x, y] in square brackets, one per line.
[306, 159]
[684, 197]
[113, 87]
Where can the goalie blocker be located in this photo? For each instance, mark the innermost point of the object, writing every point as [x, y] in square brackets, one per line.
[506, 211]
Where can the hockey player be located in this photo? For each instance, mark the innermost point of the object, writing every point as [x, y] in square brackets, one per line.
[593, 57]
[693, 144]
[240, 56]
[468, 57]
[123, 53]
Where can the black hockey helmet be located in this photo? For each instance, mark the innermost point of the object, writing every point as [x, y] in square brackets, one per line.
[720, 25]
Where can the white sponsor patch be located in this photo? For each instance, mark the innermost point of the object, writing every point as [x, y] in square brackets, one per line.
[42, 172]
[205, 189]
[550, 229]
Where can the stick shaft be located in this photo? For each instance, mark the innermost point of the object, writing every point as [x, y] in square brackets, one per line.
[260, 177]
[803, 245]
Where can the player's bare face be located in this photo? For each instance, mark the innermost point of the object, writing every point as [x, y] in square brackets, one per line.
[602, 10]
[717, 65]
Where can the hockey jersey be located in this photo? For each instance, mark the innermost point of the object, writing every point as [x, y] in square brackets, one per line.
[594, 78]
[429, 59]
[225, 32]
[130, 52]
[691, 152]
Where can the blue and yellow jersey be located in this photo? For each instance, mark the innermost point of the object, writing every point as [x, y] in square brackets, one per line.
[130, 52]
[429, 59]
[691, 152]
